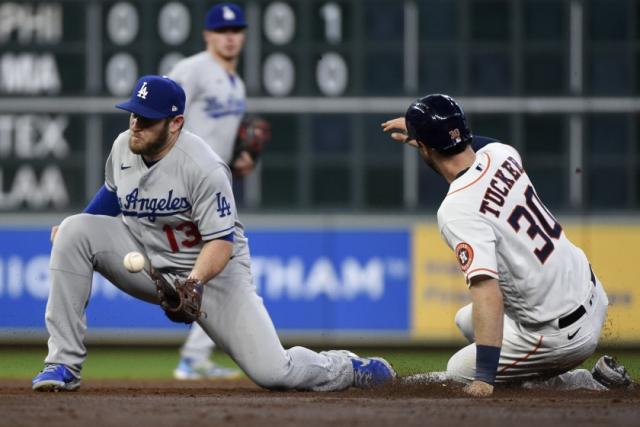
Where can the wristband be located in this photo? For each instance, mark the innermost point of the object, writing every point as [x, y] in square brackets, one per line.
[487, 358]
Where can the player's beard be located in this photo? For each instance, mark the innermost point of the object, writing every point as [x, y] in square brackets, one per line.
[151, 148]
[228, 52]
[228, 55]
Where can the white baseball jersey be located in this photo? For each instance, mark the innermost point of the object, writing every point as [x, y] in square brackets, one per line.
[216, 101]
[177, 204]
[498, 227]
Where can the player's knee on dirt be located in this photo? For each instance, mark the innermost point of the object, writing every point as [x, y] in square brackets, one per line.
[274, 370]
[462, 365]
[269, 376]
[465, 323]
[299, 367]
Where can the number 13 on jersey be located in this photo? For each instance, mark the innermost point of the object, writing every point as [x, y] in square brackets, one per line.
[187, 229]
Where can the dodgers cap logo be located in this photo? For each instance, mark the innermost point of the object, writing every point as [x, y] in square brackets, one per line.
[225, 15]
[155, 97]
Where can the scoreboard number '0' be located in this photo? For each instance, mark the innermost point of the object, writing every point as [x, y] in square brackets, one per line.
[278, 70]
[121, 70]
[123, 26]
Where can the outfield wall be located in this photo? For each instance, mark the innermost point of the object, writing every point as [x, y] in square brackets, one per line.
[327, 281]
[438, 290]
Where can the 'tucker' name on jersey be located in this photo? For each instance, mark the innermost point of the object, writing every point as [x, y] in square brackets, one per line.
[501, 183]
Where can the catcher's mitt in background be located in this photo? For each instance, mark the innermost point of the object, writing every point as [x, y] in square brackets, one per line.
[180, 302]
[253, 134]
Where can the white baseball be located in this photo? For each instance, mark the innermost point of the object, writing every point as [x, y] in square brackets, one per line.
[133, 262]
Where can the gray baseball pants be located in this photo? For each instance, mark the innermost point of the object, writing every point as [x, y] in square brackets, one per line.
[236, 317]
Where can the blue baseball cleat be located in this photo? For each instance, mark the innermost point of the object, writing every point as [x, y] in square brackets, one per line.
[369, 372]
[55, 377]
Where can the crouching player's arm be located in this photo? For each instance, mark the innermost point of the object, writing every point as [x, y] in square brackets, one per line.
[212, 259]
[488, 318]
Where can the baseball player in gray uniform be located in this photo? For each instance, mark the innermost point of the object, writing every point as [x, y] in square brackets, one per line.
[215, 105]
[177, 208]
[537, 307]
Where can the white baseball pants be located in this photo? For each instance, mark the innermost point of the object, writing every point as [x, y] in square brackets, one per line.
[535, 353]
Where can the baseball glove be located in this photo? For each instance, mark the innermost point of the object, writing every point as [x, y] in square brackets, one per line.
[253, 134]
[181, 301]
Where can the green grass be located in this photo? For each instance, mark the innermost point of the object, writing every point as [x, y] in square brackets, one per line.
[102, 363]
[158, 363]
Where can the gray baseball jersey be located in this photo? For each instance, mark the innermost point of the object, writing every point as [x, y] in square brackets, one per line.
[177, 204]
[216, 101]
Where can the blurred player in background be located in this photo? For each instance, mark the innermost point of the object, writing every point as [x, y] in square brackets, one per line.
[216, 103]
[537, 308]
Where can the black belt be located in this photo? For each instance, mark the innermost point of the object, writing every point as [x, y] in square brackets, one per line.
[576, 314]
[571, 318]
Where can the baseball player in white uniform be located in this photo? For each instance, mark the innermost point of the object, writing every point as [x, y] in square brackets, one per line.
[177, 208]
[216, 103]
[537, 308]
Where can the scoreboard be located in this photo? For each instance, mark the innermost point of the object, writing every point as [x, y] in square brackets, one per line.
[326, 73]
[64, 63]
[295, 48]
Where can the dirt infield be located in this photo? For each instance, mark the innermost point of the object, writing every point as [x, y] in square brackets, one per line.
[240, 403]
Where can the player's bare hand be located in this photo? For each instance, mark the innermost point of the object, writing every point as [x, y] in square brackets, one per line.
[478, 389]
[395, 124]
[54, 231]
[243, 165]
[398, 129]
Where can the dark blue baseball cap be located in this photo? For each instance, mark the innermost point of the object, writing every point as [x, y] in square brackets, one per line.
[224, 15]
[155, 97]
